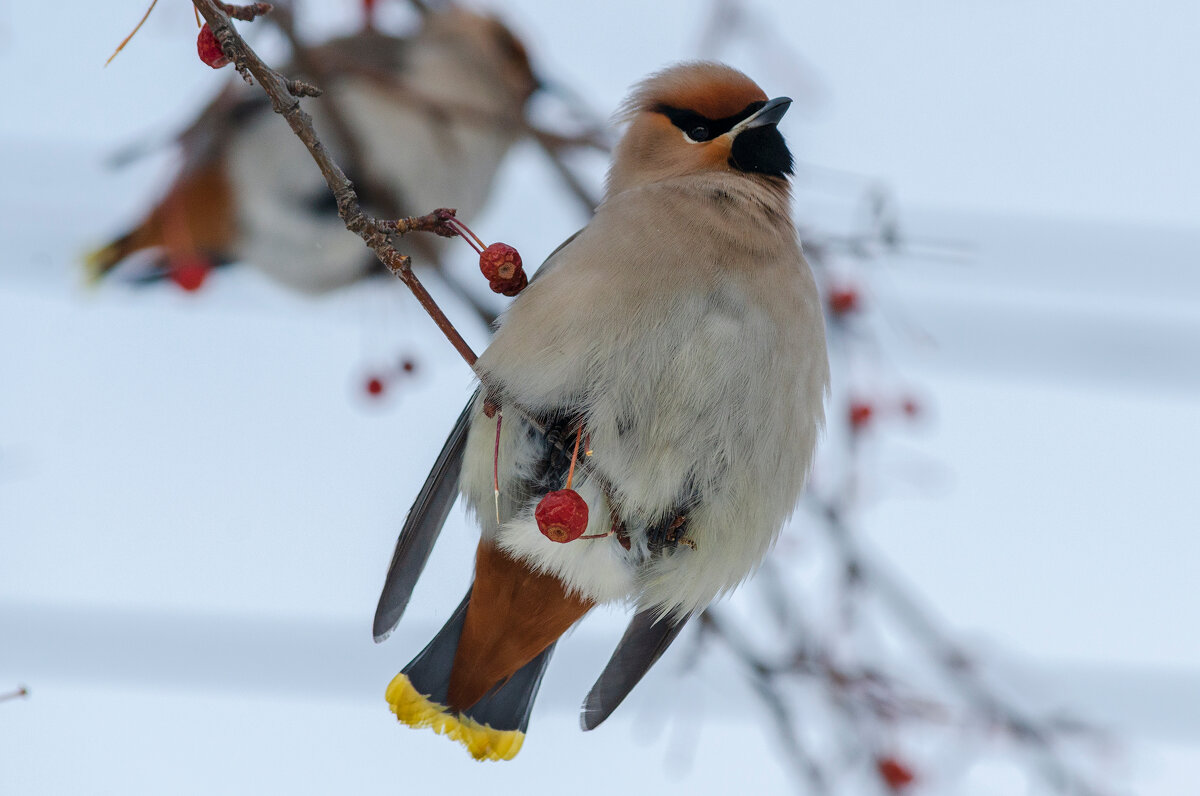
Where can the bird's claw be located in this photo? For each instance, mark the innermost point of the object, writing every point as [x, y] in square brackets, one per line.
[671, 533]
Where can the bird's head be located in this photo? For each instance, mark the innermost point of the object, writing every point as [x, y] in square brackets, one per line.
[695, 118]
[490, 45]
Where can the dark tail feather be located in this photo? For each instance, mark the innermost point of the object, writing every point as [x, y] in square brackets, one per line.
[422, 527]
[507, 707]
[644, 642]
[491, 729]
[429, 672]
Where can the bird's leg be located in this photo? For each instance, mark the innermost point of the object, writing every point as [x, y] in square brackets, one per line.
[559, 438]
[669, 532]
[618, 526]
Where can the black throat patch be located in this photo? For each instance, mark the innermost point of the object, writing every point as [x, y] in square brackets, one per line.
[761, 150]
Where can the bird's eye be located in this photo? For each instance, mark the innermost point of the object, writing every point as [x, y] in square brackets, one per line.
[698, 134]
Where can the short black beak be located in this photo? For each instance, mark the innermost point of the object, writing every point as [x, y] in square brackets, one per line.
[770, 113]
[757, 144]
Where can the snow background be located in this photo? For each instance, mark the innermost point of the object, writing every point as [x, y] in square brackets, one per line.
[197, 504]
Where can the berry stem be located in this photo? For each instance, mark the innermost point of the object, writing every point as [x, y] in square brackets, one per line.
[574, 454]
[132, 33]
[496, 468]
[21, 692]
[466, 234]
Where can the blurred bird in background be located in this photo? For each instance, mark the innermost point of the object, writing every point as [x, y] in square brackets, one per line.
[646, 419]
[418, 122]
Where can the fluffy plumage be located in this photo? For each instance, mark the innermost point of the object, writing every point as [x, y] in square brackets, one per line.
[681, 329]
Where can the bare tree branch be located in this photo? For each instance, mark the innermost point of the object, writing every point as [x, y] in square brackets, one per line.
[285, 94]
[20, 693]
[285, 100]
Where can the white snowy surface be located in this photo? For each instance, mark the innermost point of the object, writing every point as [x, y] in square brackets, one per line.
[197, 503]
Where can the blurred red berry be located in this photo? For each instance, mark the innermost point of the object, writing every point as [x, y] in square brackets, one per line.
[860, 414]
[368, 7]
[408, 365]
[894, 774]
[562, 516]
[374, 386]
[843, 301]
[189, 273]
[910, 407]
[209, 48]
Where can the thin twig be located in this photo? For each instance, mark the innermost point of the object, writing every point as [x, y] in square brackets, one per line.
[348, 140]
[285, 101]
[20, 693]
[247, 13]
[132, 33]
[765, 686]
[954, 663]
[551, 148]
[376, 233]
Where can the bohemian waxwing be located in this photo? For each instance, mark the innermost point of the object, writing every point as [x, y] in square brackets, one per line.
[680, 335]
[431, 116]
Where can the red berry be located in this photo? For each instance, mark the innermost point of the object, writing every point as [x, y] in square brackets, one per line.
[843, 300]
[501, 264]
[210, 49]
[860, 414]
[374, 386]
[189, 273]
[562, 516]
[895, 774]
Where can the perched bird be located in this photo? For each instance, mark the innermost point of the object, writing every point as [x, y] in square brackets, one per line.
[420, 122]
[679, 335]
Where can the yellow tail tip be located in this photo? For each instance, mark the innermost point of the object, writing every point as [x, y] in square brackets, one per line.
[417, 710]
[99, 262]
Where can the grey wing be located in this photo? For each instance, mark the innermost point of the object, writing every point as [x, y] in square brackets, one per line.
[644, 642]
[548, 264]
[422, 527]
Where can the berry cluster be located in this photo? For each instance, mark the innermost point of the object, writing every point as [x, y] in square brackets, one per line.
[376, 384]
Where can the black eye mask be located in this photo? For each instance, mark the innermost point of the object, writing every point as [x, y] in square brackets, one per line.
[701, 128]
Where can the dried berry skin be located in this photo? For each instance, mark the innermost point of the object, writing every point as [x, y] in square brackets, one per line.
[499, 261]
[510, 287]
[209, 48]
[502, 266]
[562, 516]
